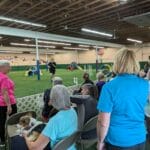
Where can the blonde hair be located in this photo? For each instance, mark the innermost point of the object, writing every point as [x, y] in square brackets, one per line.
[125, 62]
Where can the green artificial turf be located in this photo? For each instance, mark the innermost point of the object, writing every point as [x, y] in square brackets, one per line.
[25, 86]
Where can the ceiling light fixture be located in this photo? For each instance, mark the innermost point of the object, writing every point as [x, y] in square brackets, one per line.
[31, 45]
[50, 42]
[96, 32]
[13, 52]
[123, 1]
[76, 48]
[84, 46]
[134, 40]
[22, 22]
[27, 40]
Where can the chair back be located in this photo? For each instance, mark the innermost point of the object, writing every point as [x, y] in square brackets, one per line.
[91, 124]
[81, 115]
[67, 142]
[14, 119]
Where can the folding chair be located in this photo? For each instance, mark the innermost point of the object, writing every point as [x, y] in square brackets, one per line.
[67, 142]
[10, 126]
[81, 115]
[80, 111]
[90, 125]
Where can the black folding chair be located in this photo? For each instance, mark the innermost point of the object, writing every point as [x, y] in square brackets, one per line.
[67, 142]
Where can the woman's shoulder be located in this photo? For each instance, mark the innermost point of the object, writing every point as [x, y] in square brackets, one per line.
[63, 113]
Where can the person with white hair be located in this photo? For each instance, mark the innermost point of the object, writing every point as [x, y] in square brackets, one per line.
[7, 98]
[62, 125]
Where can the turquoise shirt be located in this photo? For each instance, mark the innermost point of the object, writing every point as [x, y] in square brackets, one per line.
[125, 98]
[62, 125]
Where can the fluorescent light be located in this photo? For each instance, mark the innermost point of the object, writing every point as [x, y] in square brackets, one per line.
[134, 40]
[31, 45]
[50, 42]
[27, 40]
[123, 1]
[75, 48]
[96, 32]
[84, 46]
[22, 22]
[13, 52]
[52, 53]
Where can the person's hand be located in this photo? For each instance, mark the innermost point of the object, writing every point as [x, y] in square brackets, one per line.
[25, 134]
[100, 146]
[9, 109]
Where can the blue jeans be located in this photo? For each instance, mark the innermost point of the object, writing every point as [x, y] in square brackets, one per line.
[140, 146]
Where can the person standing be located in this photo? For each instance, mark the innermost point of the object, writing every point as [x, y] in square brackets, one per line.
[52, 68]
[7, 99]
[121, 105]
[101, 81]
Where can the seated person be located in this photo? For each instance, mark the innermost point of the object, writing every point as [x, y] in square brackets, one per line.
[89, 99]
[18, 142]
[25, 123]
[48, 110]
[101, 82]
[142, 74]
[61, 125]
[87, 80]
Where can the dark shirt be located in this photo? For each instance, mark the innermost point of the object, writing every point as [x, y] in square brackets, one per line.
[99, 87]
[52, 66]
[88, 82]
[90, 105]
[85, 82]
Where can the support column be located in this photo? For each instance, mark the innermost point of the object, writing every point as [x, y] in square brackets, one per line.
[96, 59]
[37, 59]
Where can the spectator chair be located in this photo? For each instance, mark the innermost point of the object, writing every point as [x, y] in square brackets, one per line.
[10, 126]
[67, 142]
[89, 125]
[81, 115]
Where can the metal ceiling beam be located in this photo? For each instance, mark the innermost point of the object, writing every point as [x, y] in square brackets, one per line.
[45, 36]
[87, 17]
[3, 2]
[82, 14]
[22, 49]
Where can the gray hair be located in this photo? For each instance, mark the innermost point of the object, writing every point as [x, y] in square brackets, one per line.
[4, 63]
[100, 75]
[57, 80]
[60, 97]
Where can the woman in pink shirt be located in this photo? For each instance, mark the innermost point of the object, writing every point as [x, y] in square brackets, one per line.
[7, 98]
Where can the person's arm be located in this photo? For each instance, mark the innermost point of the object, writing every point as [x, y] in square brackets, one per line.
[39, 144]
[7, 100]
[78, 99]
[102, 128]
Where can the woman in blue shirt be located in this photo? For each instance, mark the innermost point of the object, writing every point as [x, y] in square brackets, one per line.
[60, 126]
[121, 105]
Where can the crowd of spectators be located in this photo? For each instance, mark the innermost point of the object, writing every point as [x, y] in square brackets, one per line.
[119, 104]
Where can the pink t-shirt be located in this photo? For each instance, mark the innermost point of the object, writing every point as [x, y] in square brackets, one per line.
[6, 83]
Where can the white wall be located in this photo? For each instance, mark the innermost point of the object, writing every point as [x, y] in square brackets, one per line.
[81, 57]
